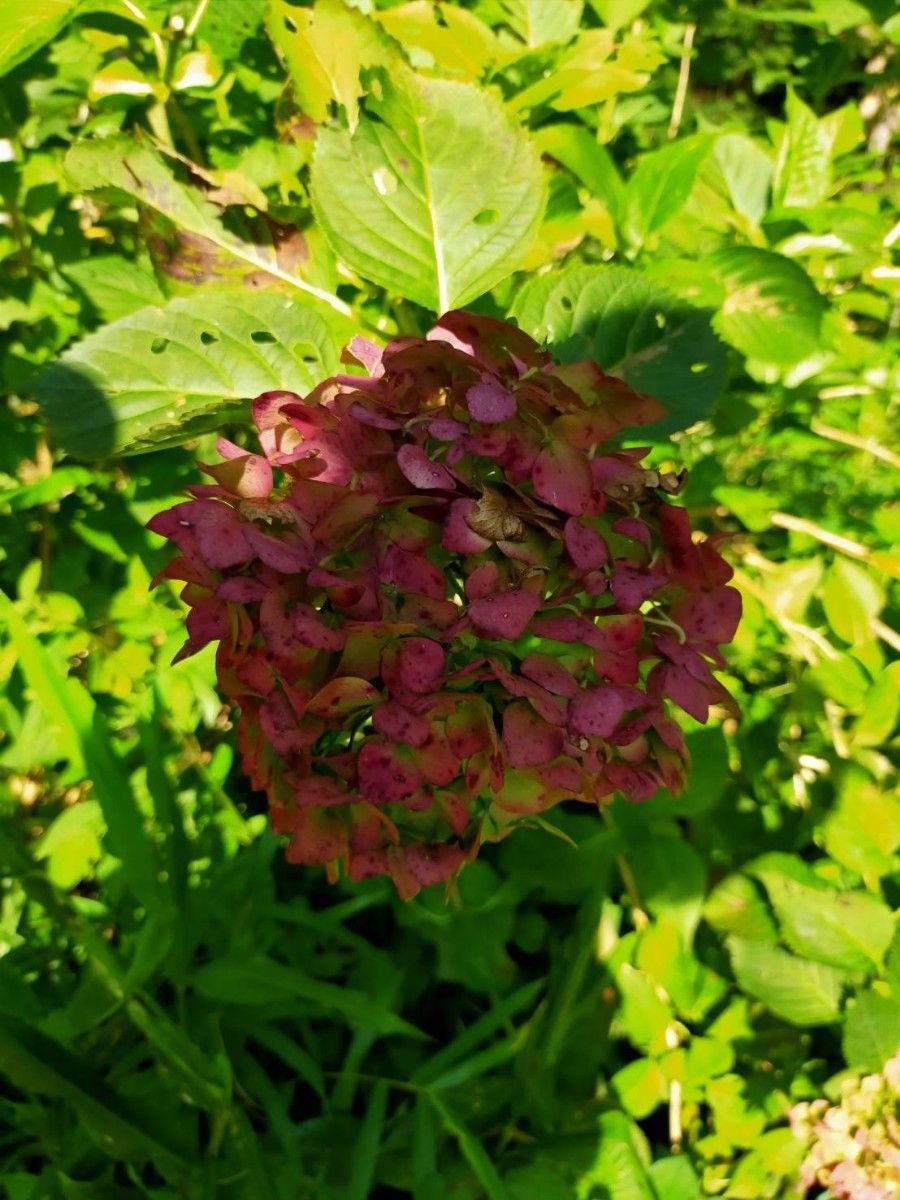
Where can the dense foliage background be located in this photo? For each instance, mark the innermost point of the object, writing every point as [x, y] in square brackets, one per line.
[202, 201]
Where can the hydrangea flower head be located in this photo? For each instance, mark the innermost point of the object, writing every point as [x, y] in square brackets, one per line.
[445, 600]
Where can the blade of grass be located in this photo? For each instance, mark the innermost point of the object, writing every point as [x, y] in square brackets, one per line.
[473, 1151]
[479, 1031]
[85, 739]
[37, 1063]
[365, 1156]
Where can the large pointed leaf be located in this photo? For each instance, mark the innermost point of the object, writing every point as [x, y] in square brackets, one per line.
[769, 308]
[163, 374]
[798, 991]
[633, 328]
[123, 165]
[436, 196]
[27, 25]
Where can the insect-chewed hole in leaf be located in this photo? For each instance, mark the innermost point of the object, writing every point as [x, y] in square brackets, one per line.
[385, 181]
[307, 353]
[158, 345]
[208, 338]
[699, 368]
[262, 337]
[566, 304]
[290, 25]
[487, 216]
[660, 320]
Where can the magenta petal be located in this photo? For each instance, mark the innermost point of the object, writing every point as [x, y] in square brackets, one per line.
[586, 547]
[420, 663]
[635, 530]
[563, 629]
[447, 430]
[386, 773]
[682, 687]
[596, 712]
[490, 402]
[312, 631]
[483, 581]
[366, 353]
[457, 536]
[421, 471]
[527, 739]
[398, 724]
[562, 477]
[550, 674]
[433, 864]
[288, 556]
[321, 791]
[375, 420]
[241, 590]
[505, 614]
[631, 586]
[708, 616]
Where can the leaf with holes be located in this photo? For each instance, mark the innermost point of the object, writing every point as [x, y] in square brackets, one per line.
[163, 374]
[436, 196]
[634, 329]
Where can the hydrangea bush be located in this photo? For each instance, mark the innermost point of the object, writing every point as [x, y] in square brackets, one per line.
[854, 1146]
[446, 599]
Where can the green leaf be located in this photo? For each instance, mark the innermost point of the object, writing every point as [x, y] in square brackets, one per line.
[578, 149]
[593, 70]
[851, 597]
[29, 24]
[798, 991]
[670, 877]
[871, 1030]
[849, 930]
[881, 708]
[542, 22]
[805, 155]
[453, 38]
[646, 1014]
[72, 844]
[115, 286]
[619, 1168]
[324, 49]
[398, 208]
[747, 173]
[130, 167]
[770, 309]
[164, 374]
[641, 1087]
[39, 1064]
[84, 739]
[634, 329]
[368, 1143]
[674, 1179]
[660, 185]
[616, 14]
[225, 27]
[736, 906]
[862, 830]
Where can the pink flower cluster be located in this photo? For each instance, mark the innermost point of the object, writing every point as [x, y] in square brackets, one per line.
[444, 602]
